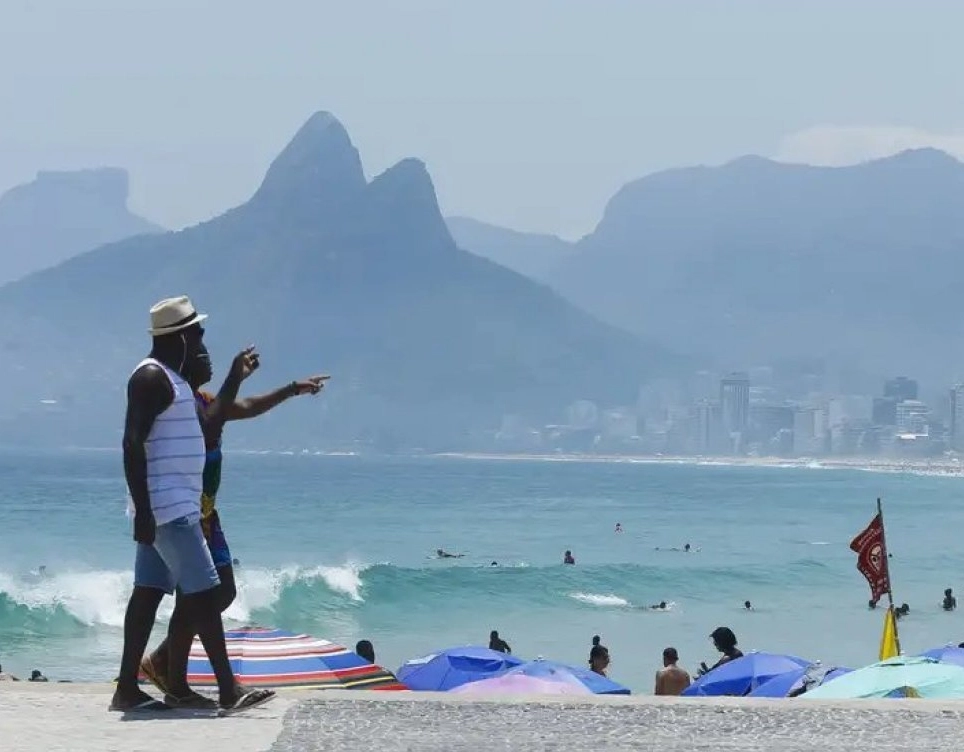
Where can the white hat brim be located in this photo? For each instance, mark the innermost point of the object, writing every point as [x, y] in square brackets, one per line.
[162, 330]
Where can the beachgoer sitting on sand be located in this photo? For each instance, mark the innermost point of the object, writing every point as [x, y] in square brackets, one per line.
[497, 643]
[599, 659]
[724, 641]
[36, 676]
[7, 677]
[568, 558]
[950, 602]
[671, 679]
[366, 650]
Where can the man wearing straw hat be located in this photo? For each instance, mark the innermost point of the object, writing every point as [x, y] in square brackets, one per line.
[163, 462]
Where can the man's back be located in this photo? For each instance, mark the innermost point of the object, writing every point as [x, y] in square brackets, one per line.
[671, 680]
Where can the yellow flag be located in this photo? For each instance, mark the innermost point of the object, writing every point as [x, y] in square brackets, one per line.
[889, 646]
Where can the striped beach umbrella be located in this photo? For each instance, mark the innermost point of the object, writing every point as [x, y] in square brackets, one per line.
[275, 658]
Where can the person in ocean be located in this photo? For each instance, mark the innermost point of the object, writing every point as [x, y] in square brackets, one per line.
[568, 558]
[497, 643]
[167, 666]
[950, 602]
[599, 659]
[366, 650]
[724, 640]
[619, 528]
[443, 554]
[671, 679]
[747, 605]
[661, 606]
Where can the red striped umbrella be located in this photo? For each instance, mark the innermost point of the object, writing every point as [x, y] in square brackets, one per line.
[275, 658]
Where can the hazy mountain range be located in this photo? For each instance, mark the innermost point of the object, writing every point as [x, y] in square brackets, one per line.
[534, 255]
[426, 343]
[756, 261]
[60, 214]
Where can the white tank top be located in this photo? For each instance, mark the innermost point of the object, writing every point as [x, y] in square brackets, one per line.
[175, 453]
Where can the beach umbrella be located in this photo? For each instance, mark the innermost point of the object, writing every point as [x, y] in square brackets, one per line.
[560, 672]
[783, 684]
[741, 676]
[946, 654]
[447, 669]
[896, 677]
[521, 684]
[275, 658]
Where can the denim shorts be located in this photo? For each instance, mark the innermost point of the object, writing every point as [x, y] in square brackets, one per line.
[180, 558]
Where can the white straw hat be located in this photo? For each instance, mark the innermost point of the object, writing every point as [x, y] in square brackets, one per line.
[172, 315]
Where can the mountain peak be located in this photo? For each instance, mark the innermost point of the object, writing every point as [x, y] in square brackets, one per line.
[319, 167]
[108, 185]
[59, 214]
[405, 196]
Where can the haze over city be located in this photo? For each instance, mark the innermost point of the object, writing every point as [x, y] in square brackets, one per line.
[645, 260]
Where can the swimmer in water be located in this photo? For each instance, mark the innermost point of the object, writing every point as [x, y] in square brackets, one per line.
[619, 528]
[747, 605]
[661, 606]
[686, 548]
[568, 558]
[446, 555]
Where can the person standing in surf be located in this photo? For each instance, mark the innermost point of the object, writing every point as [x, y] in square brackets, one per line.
[163, 465]
[166, 667]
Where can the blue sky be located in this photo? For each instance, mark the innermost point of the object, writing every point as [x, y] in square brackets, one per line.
[529, 113]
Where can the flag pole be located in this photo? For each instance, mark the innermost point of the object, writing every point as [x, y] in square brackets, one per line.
[890, 595]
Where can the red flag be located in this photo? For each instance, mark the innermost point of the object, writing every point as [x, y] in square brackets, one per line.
[872, 558]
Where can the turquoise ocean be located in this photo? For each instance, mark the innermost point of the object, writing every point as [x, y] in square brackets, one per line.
[342, 547]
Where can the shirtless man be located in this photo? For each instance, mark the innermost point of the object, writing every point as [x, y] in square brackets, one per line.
[671, 679]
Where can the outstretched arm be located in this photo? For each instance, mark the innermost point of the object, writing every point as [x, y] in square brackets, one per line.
[214, 415]
[252, 407]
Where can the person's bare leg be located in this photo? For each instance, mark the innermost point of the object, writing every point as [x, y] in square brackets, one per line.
[138, 623]
[170, 658]
[177, 646]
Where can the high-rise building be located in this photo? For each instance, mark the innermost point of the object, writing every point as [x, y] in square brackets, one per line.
[901, 389]
[884, 411]
[735, 403]
[912, 417]
[956, 437]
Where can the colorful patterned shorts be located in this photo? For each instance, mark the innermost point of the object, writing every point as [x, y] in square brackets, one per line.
[217, 543]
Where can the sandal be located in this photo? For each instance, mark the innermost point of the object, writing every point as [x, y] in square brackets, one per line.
[250, 699]
[191, 701]
[152, 675]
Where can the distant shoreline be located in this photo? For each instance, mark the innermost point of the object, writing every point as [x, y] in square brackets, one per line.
[943, 467]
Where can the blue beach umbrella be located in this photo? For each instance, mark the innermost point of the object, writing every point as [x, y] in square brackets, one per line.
[741, 676]
[948, 654]
[783, 684]
[438, 672]
[897, 677]
[560, 672]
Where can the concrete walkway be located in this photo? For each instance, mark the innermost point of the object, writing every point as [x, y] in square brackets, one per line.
[53, 717]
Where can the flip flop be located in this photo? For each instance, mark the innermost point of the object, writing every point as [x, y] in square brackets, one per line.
[250, 699]
[146, 706]
[147, 668]
[192, 701]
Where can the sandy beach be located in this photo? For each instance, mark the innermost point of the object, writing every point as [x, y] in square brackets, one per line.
[54, 717]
